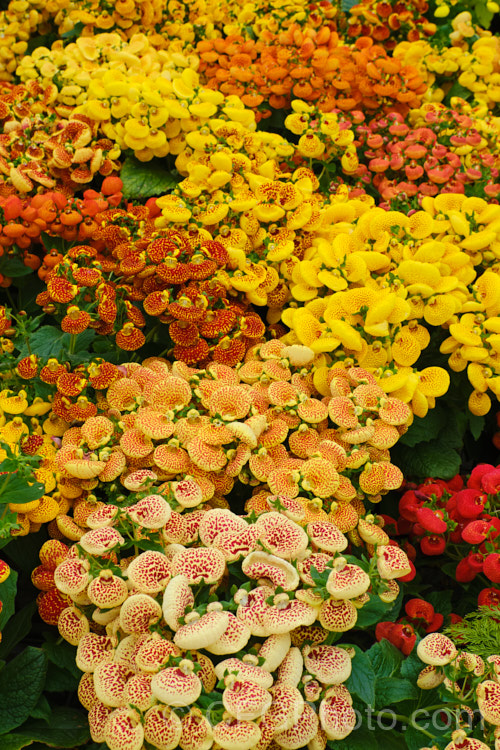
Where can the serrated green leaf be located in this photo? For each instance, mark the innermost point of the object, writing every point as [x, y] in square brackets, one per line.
[362, 678]
[49, 341]
[8, 590]
[385, 658]
[145, 179]
[21, 684]
[68, 728]
[17, 628]
[391, 690]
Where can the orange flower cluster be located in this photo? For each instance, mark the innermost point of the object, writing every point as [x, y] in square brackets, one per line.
[262, 424]
[171, 275]
[38, 149]
[73, 219]
[390, 22]
[310, 65]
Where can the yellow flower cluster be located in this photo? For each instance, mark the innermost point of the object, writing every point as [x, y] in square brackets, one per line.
[390, 273]
[74, 67]
[475, 66]
[322, 136]
[152, 116]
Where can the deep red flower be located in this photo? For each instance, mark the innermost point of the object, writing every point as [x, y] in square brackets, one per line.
[491, 568]
[456, 483]
[431, 521]
[489, 597]
[433, 545]
[464, 572]
[476, 561]
[419, 609]
[477, 473]
[433, 488]
[409, 504]
[470, 503]
[477, 531]
[400, 635]
[435, 624]
[490, 482]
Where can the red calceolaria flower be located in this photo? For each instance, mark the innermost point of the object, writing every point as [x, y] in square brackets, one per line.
[489, 597]
[400, 635]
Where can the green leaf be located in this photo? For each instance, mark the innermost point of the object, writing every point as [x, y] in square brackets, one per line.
[424, 429]
[432, 459]
[61, 654]
[74, 32]
[15, 742]
[362, 679]
[17, 628]
[68, 728]
[360, 739]
[43, 40]
[347, 5]
[42, 709]
[377, 611]
[49, 341]
[19, 491]
[8, 590]
[23, 551]
[458, 90]
[145, 179]
[483, 15]
[385, 658]
[13, 267]
[476, 425]
[52, 243]
[21, 684]
[411, 667]
[59, 680]
[441, 601]
[391, 690]
[415, 739]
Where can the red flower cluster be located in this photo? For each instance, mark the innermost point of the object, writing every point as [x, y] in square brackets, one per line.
[438, 513]
[419, 617]
[443, 152]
